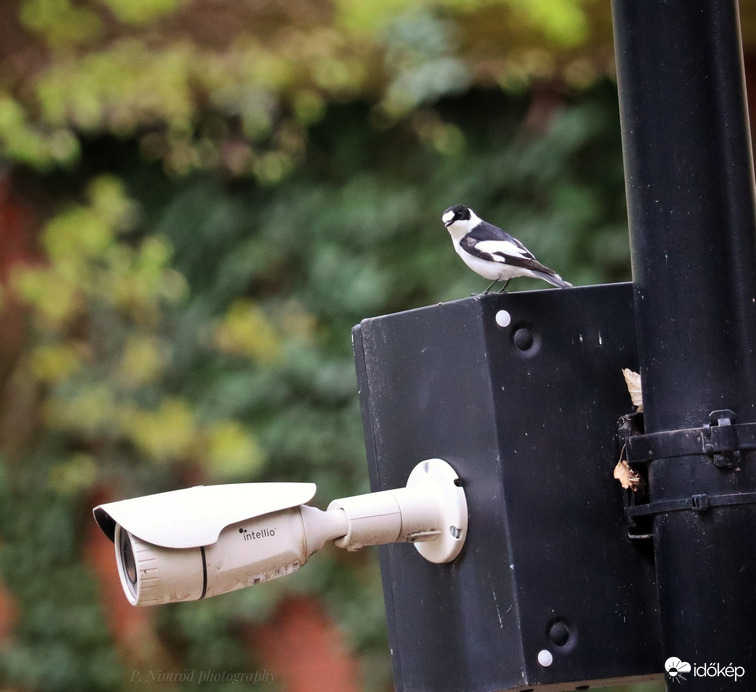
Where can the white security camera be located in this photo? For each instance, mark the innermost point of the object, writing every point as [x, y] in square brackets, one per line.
[203, 541]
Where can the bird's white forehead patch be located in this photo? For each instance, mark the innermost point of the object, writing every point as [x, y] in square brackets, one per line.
[447, 217]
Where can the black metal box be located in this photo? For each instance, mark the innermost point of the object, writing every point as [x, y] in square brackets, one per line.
[521, 394]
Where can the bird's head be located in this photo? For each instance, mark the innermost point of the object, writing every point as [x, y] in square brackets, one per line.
[459, 219]
[458, 212]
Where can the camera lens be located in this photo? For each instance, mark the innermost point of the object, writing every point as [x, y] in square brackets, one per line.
[128, 563]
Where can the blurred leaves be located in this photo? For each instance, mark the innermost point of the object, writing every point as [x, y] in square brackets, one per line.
[139, 12]
[197, 327]
[243, 103]
[101, 308]
[420, 56]
[62, 641]
[245, 331]
[61, 22]
[221, 191]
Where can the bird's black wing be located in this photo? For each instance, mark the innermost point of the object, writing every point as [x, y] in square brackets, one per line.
[491, 243]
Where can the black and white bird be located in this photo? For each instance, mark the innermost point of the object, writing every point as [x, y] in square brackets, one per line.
[491, 252]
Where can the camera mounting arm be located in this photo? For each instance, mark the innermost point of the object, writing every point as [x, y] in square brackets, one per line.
[431, 512]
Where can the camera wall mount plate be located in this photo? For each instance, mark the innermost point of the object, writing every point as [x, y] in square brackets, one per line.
[437, 478]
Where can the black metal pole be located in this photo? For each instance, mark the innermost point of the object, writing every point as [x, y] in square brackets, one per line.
[690, 193]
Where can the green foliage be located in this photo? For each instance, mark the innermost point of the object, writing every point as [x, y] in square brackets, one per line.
[108, 384]
[215, 310]
[61, 22]
[139, 12]
[243, 104]
[61, 641]
[218, 315]
[219, 212]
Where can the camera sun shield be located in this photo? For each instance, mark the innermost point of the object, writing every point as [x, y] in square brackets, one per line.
[194, 517]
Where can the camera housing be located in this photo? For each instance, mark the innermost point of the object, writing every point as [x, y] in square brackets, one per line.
[198, 542]
[203, 541]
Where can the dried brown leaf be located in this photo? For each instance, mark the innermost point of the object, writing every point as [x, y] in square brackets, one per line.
[629, 479]
[633, 381]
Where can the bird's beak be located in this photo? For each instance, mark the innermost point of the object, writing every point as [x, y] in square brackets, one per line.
[448, 221]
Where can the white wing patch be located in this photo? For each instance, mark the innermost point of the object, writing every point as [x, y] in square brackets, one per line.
[505, 247]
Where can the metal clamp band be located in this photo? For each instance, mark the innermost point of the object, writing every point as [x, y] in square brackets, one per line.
[696, 503]
[720, 438]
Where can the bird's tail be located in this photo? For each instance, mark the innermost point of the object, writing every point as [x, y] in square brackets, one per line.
[556, 280]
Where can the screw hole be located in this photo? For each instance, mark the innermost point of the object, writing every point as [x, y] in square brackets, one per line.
[558, 633]
[523, 339]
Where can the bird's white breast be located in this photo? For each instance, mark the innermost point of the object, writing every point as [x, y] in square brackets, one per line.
[487, 269]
